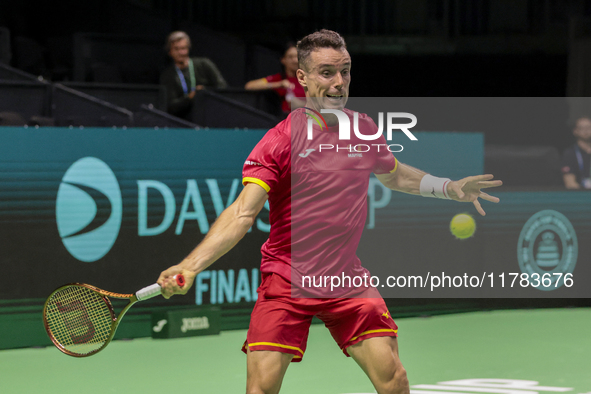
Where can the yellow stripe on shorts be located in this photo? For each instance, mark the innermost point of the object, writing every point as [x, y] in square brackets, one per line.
[277, 345]
[374, 331]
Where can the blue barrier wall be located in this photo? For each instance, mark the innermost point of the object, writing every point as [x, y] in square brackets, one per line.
[156, 192]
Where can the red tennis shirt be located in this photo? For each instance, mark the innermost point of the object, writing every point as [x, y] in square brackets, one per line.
[317, 196]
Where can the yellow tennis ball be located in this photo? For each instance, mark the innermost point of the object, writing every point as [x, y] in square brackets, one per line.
[462, 226]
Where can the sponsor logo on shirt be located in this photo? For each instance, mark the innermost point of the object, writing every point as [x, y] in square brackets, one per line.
[308, 151]
[252, 163]
[351, 148]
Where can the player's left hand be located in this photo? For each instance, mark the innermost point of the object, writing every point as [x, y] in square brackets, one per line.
[468, 190]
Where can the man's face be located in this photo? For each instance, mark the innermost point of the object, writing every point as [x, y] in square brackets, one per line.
[290, 60]
[582, 130]
[179, 51]
[326, 78]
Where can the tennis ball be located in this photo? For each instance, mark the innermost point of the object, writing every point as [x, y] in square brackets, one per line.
[462, 226]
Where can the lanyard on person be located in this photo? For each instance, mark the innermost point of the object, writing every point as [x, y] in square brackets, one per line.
[585, 182]
[579, 158]
[182, 77]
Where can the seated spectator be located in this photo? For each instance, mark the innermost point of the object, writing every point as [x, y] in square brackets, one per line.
[284, 83]
[576, 161]
[186, 75]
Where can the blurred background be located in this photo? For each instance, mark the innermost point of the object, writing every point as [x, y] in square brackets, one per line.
[53, 56]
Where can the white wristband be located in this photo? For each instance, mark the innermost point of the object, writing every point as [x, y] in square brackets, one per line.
[431, 186]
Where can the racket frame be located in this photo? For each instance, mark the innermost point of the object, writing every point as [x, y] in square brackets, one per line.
[105, 296]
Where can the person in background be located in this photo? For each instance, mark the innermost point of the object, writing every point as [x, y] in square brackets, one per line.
[576, 160]
[285, 83]
[186, 75]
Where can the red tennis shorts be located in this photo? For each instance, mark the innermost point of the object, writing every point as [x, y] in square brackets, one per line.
[281, 323]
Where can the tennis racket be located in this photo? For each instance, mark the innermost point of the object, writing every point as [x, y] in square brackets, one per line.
[80, 319]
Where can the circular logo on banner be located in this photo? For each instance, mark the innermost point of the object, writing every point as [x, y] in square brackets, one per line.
[548, 245]
[88, 209]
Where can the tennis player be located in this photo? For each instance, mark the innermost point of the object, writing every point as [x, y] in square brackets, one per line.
[317, 212]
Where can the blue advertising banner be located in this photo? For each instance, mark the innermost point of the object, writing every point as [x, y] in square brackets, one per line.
[114, 207]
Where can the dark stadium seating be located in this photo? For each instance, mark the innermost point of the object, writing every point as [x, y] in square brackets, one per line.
[5, 52]
[73, 108]
[28, 55]
[264, 100]
[214, 110]
[135, 59]
[148, 116]
[9, 118]
[8, 73]
[27, 98]
[129, 96]
[37, 102]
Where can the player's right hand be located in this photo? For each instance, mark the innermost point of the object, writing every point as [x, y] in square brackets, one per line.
[169, 285]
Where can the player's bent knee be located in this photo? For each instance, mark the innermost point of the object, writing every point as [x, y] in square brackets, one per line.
[398, 384]
[265, 371]
[262, 388]
[391, 379]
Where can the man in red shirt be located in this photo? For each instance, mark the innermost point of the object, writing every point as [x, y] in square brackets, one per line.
[317, 213]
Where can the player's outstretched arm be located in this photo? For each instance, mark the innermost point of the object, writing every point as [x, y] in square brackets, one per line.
[225, 233]
[405, 179]
[410, 180]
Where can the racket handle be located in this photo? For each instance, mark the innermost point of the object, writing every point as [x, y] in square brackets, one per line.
[148, 292]
[155, 289]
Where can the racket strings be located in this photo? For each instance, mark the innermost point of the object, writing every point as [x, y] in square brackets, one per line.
[79, 319]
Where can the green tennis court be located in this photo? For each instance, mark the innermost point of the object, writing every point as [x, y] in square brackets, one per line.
[551, 347]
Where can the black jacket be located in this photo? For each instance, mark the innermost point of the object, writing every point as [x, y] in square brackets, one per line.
[206, 74]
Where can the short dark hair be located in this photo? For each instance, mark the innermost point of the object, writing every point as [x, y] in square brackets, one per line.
[320, 39]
